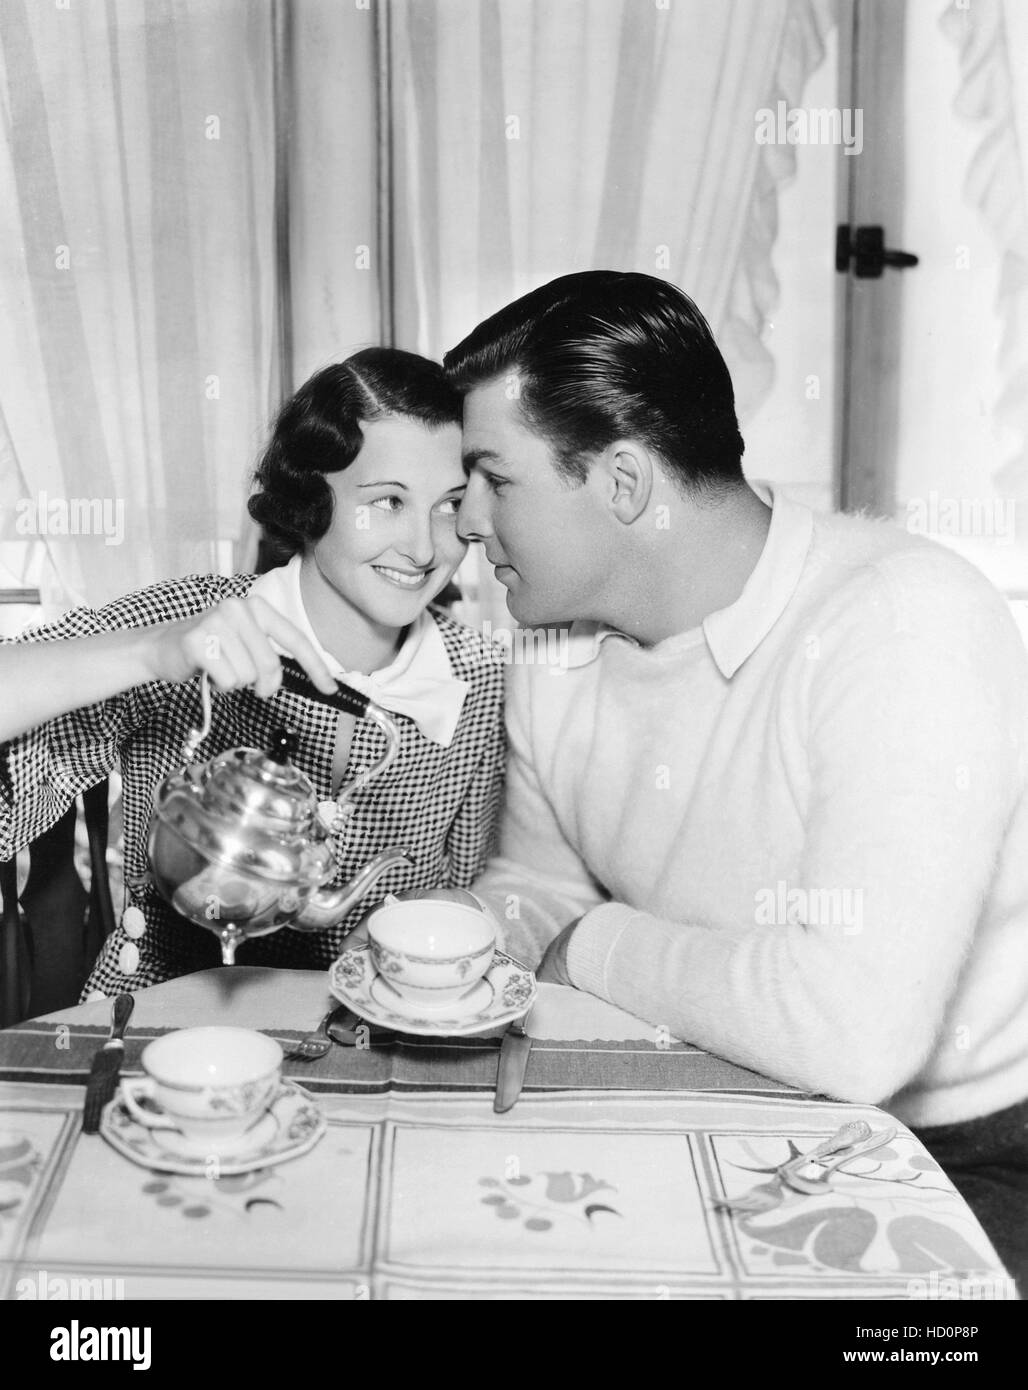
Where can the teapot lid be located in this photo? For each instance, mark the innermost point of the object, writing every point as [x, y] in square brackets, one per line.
[267, 788]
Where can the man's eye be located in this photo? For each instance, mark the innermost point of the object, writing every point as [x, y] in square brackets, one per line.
[494, 483]
[388, 504]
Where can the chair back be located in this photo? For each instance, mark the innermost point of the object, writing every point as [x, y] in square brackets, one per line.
[50, 939]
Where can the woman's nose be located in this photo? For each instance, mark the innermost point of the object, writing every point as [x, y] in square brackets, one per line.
[418, 543]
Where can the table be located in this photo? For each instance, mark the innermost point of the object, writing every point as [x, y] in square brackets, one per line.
[599, 1184]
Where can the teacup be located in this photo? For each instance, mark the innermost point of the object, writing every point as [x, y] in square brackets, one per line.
[212, 1085]
[431, 951]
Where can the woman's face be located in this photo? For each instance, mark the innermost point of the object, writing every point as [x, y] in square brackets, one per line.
[393, 544]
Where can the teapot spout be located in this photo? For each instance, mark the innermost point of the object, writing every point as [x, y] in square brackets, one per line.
[326, 907]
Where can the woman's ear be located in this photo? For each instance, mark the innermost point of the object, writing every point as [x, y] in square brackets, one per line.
[628, 480]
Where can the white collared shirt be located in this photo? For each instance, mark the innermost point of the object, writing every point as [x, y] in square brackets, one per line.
[419, 682]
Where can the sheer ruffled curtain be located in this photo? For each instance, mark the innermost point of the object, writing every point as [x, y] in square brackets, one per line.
[993, 44]
[137, 289]
[534, 139]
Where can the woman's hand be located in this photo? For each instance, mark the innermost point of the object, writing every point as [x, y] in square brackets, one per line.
[41, 680]
[232, 643]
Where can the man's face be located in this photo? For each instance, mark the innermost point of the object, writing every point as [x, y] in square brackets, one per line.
[545, 537]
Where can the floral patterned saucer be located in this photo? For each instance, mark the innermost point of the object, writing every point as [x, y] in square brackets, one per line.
[292, 1125]
[505, 992]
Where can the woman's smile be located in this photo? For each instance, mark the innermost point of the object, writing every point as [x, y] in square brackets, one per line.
[406, 579]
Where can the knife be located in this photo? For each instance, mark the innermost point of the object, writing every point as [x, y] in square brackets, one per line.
[510, 1072]
[103, 1075]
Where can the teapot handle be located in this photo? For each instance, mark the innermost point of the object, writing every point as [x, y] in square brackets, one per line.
[350, 701]
[295, 678]
[197, 736]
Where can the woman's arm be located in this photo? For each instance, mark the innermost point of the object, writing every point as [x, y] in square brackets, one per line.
[232, 641]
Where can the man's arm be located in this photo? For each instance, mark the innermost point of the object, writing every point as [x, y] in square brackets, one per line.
[538, 884]
[917, 761]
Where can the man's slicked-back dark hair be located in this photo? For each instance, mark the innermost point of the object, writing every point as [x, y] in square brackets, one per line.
[605, 355]
[318, 431]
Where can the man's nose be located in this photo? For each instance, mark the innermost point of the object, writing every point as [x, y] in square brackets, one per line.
[473, 521]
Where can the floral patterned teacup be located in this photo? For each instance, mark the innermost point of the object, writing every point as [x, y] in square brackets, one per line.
[212, 1085]
[431, 951]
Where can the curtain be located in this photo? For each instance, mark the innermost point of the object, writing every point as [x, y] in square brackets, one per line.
[532, 139]
[337, 269]
[137, 282]
[140, 294]
[992, 40]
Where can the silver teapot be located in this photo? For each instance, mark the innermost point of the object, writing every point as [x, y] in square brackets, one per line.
[239, 845]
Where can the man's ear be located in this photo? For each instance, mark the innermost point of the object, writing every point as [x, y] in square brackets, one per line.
[628, 479]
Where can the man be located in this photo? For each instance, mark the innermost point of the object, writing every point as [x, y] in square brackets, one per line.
[777, 801]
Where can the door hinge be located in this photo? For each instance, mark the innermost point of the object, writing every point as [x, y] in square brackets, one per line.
[865, 246]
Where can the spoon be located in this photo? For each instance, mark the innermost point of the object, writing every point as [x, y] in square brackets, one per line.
[812, 1186]
[344, 1026]
[316, 1044]
[845, 1137]
[768, 1195]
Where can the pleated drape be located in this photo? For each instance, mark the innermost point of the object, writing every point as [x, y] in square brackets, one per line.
[137, 290]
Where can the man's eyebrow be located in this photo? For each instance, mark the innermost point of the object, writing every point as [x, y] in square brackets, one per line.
[472, 457]
[385, 482]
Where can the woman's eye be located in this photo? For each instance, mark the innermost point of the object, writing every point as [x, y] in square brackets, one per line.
[388, 504]
[450, 507]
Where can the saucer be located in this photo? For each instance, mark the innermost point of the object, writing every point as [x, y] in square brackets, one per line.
[505, 992]
[292, 1125]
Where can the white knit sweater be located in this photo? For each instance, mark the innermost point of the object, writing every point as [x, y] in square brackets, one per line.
[799, 833]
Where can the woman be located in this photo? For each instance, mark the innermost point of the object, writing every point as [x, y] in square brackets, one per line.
[360, 483]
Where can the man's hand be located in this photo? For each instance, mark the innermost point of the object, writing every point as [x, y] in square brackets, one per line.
[553, 968]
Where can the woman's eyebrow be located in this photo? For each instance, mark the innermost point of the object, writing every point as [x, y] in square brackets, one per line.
[385, 482]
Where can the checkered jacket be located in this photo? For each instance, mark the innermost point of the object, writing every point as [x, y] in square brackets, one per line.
[441, 803]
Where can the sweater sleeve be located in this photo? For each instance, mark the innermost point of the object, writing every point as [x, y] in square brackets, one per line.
[916, 750]
[538, 884]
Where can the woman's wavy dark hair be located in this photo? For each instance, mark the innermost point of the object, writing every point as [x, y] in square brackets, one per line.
[604, 355]
[318, 431]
